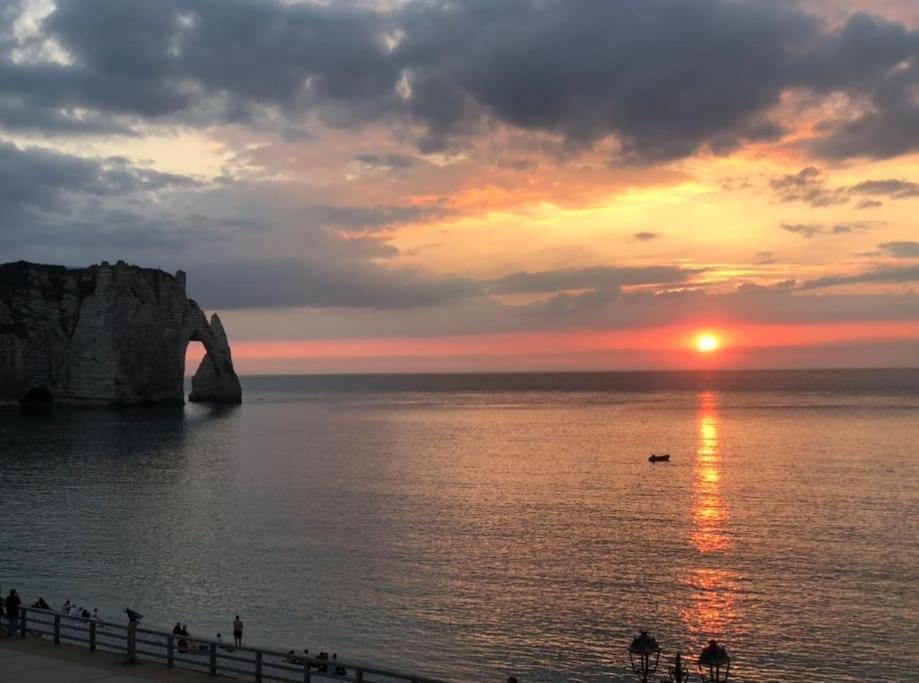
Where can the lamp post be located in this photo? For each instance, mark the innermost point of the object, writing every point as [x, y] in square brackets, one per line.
[714, 663]
[678, 673]
[643, 655]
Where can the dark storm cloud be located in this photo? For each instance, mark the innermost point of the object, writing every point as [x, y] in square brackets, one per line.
[877, 62]
[886, 275]
[901, 249]
[206, 60]
[645, 236]
[588, 278]
[665, 77]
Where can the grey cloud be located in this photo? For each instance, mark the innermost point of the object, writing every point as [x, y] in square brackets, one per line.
[853, 226]
[38, 179]
[665, 77]
[320, 283]
[371, 218]
[765, 258]
[806, 231]
[386, 161]
[901, 249]
[781, 304]
[891, 188]
[807, 185]
[810, 185]
[645, 236]
[811, 230]
[886, 275]
[324, 283]
[600, 277]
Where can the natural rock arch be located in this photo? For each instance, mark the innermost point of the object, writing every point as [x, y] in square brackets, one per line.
[215, 380]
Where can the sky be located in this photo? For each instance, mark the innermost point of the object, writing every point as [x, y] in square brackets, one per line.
[471, 185]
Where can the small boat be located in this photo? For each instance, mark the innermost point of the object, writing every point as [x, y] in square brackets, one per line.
[659, 458]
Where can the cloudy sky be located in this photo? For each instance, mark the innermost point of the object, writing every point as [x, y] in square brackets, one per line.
[477, 185]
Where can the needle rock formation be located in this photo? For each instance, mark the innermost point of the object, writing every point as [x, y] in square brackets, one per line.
[106, 335]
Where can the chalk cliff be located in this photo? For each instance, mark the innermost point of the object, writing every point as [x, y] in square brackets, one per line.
[106, 335]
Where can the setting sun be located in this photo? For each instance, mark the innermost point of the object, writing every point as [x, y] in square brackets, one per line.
[706, 343]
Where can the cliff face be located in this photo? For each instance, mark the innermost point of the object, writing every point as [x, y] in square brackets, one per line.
[106, 335]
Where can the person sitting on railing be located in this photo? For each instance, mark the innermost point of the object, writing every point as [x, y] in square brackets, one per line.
[177, 629]
[65, 608]
[323, 668]
[41, 604]
[337, 670]
[84, 614]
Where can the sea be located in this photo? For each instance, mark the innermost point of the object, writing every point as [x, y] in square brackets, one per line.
[472, 527]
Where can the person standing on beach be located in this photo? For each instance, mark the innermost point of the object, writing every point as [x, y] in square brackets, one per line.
[237, 631]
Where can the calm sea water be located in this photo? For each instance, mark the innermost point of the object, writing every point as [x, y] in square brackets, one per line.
[476, 526]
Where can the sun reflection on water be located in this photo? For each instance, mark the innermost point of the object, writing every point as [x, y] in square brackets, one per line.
[712, 587]
[709, 511]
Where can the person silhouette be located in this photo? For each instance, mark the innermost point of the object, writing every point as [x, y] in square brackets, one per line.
[237, 631]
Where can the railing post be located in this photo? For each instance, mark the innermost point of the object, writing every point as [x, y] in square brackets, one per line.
[22, 622]
[358, 676]
[258, 666]
[306, 673]
[92, 636]
[170, 651]
[57, 629]
[132, 642]
[213, 659]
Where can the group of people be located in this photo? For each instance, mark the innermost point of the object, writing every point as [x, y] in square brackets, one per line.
[332, 667]
[71, 609]
[185, 645]
[10, 608]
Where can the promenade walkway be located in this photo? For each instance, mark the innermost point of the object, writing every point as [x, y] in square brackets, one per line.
[38, 661]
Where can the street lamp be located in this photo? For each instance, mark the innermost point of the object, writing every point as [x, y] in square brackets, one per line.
[714, 663]
[678, 673]
[643, 654]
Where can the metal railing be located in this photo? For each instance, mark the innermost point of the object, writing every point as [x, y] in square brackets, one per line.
[135, 642]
